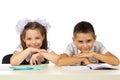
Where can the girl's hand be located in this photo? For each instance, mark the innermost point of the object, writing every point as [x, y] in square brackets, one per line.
[35, 50]
[35, 58]
[37, 55]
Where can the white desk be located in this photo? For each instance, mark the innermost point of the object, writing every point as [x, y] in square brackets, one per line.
[56, 73]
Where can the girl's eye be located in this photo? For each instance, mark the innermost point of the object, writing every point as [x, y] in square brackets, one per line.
[28, 38]
[37, 37]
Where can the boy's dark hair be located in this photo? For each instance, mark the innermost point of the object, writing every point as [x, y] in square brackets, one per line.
[83, 27]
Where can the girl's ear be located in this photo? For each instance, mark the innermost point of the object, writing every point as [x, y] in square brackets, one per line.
[23, 39]
[43, 38]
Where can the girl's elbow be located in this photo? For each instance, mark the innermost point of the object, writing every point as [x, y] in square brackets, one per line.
[13, 63]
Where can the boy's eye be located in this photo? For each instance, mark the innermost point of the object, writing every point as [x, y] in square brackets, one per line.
[89, 41]
[80, 41]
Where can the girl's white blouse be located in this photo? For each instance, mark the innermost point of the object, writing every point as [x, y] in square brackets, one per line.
[19, 48]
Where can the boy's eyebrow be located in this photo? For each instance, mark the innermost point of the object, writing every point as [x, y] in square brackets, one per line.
[89, 39]
[79, 40]
[86, 40]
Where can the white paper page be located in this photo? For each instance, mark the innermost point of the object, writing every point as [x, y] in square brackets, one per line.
[100, 66]
[75, 67]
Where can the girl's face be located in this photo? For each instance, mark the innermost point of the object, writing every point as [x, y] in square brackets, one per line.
[84, 41]
[33, 38]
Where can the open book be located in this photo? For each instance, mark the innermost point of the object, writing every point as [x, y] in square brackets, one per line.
[91, 67]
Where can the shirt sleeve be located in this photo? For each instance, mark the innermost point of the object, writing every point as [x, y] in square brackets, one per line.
[103, 49]
[100, 48]
[69, 49]
[19, 48]
[49, 50]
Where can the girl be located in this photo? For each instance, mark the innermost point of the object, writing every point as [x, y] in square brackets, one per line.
[33, 36]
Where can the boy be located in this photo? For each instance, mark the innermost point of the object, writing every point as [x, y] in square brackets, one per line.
[85, 49]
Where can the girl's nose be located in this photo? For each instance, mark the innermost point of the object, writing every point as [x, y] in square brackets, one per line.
[33, 41]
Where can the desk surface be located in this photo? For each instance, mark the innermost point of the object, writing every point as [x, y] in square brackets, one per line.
[51, 72]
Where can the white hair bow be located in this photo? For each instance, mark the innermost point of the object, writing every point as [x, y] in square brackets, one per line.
[21, 24]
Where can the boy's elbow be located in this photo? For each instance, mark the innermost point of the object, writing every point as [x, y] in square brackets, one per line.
[60, 63]
[117, 62]
[62, 60]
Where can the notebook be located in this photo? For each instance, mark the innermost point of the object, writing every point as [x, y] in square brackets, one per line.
[27, 67]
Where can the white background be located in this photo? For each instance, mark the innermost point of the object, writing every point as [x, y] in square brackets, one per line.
[62, 16]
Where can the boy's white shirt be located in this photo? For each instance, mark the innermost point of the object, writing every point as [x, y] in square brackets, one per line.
[19, 48]
[98, 47]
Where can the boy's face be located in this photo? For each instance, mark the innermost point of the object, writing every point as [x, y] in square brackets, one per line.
[84, 41]
[33, 38]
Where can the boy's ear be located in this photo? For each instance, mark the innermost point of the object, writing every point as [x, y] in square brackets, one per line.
[73, 38]
[95, 37]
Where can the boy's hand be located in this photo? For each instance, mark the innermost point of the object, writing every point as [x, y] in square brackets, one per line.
[86, 61]
[84, 55]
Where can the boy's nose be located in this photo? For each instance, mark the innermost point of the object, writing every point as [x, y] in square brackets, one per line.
[85, 45]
